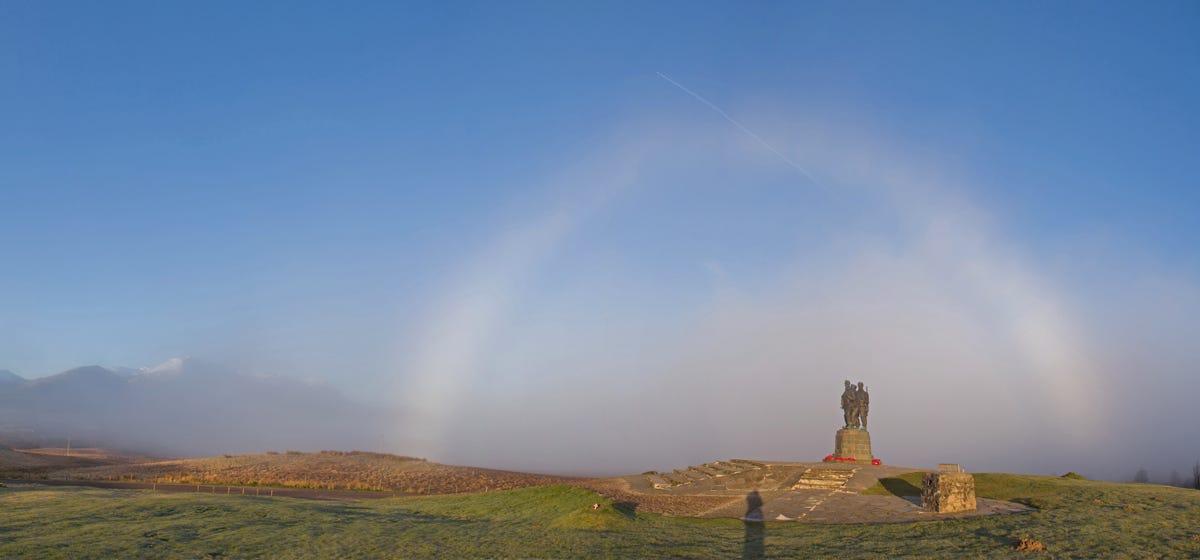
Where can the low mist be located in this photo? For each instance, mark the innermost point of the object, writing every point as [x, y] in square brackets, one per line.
[977, 347]
[635, 313]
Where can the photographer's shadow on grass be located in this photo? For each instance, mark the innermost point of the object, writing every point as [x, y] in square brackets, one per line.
[753, 546]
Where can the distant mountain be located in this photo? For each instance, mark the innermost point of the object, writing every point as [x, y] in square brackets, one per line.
[127, 371]
[86, 375]
[7, 377]
[191, 407]
[171, 366]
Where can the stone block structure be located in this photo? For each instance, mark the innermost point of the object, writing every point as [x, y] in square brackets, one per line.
[948, 490]
[851, 442]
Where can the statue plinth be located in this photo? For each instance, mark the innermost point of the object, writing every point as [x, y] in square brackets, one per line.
[855, 443]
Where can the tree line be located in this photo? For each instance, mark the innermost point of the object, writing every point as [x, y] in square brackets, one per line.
[1176, 479]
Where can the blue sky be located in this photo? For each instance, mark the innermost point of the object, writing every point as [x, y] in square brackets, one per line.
[306, 188]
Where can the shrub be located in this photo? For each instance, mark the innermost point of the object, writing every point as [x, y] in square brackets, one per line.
[1074, 476]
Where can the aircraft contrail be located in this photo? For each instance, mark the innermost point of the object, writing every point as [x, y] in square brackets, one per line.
[741, 127]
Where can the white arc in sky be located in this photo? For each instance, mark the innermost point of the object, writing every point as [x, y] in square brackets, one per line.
[741, 127]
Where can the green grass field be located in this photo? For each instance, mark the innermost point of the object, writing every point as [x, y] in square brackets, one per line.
[1075, 519]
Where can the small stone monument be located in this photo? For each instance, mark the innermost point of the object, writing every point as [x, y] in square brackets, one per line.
[853, 440]
[948, 490]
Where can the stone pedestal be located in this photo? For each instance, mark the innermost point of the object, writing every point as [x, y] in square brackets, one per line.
[947, 492]
[853, 443]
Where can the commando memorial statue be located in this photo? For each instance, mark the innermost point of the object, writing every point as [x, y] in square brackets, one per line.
[853, 440]
[855, 404]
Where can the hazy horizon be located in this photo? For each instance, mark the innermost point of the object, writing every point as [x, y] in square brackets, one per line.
[610, 239]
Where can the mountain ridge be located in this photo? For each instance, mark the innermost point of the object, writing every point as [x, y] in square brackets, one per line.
[188, 407]
[7, 377]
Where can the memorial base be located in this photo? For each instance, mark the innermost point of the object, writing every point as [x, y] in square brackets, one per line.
[854, 444]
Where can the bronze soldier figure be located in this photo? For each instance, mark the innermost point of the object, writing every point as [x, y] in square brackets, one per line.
[850, 405]
[863, 402]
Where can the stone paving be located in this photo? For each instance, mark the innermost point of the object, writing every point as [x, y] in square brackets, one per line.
[805, 492]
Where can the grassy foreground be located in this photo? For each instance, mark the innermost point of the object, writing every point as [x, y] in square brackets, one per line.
[1076, 519]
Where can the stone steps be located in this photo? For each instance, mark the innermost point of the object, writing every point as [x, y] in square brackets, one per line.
[747, 464]
[657, 482]
[702, 473]
[674, 478]
[831, 479]
[724, 468]
[791, 481]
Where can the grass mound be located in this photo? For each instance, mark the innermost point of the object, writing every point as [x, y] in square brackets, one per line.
[556, 505]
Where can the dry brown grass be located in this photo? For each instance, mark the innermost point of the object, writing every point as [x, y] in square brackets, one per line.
[92, 453]
[19, 464]
[326, 470]
[1028, 545]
